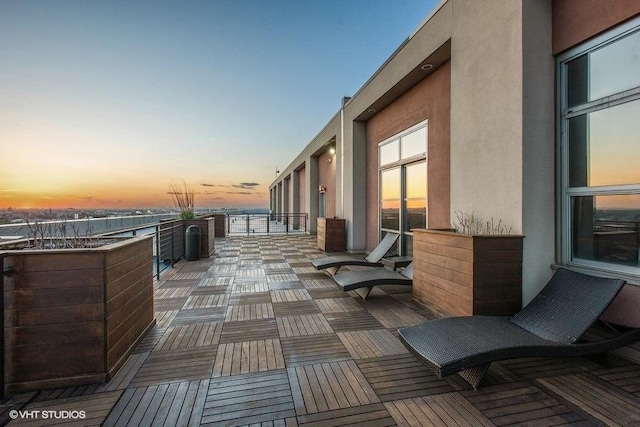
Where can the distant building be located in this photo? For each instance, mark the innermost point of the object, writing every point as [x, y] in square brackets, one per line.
[527, 111]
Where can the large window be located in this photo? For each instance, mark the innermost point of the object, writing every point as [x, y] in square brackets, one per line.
[403, 185]
[599, 90]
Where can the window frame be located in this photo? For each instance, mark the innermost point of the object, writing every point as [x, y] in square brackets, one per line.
[401, 164]
[566, 194]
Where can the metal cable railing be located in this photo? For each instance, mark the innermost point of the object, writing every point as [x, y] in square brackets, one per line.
[285, 223]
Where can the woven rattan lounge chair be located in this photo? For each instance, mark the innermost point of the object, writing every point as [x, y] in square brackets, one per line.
[333, 263]
[363, 281]
[549, 326]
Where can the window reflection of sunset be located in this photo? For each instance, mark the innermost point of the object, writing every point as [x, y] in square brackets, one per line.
[614, 145]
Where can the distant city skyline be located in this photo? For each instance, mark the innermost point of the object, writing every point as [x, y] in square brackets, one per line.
[106, 104]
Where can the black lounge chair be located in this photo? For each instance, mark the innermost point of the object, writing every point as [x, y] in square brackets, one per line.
[549, 326]
[363, 281]
[334, 263]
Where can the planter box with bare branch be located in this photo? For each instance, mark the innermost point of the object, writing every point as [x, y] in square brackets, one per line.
[462, 275]
[72, 316]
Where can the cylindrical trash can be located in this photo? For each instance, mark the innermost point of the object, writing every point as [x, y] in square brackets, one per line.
[192, 243]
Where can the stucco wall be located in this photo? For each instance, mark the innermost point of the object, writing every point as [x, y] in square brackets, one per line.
[486, 110]
[428, 100]
[575, 21]
[327, 178]
[302, 191]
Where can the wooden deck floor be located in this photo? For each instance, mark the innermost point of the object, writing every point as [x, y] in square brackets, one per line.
[255, 336]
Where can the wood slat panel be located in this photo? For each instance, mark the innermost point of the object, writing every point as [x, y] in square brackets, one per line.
[401, 377]
[371, 343]
[176, 365]
[329, 386]
[338, 305]
[239, 313]
[248, 356]
[290, 295]
[448, 409]
[595, 399]
[249, 330]
[306, 324]
[313, 349]
[249, 399]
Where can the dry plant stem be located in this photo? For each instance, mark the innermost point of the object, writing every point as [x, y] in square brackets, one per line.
[184, 199]
[470, 224]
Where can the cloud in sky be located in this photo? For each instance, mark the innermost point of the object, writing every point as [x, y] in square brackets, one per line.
[243, 185]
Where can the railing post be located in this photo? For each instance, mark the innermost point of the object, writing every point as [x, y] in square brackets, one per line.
[247, 224]
[158, 249]
[286, 224]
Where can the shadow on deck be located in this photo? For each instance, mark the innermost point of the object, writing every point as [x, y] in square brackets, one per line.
[256, 336]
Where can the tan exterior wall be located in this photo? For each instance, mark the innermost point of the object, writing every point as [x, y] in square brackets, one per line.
[302, 200]
[575, 21]
[327, 178]
[428, 100]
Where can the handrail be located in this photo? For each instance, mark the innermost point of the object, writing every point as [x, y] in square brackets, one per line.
[274, 223]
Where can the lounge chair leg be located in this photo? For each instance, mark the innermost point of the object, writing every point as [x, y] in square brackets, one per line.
[333, 270]
[474, 375]
[363, 292]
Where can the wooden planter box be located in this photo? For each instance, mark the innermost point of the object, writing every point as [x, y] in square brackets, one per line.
[463, 275]
[73, 316]
[207, 236]
[332, 235]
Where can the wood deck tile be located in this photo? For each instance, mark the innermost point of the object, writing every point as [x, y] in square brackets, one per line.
[206, 301]
[397, 317]
[223, 268]
[199, 315]
[318, 275]
[295, 308]
[126, 374]
[290, 295]
[248, 356]
[329, 386]
[211, 290]
[249, 287]
[595, 399]
[165, 404]
[189, 275]
[276, 266]
[161, 367]
[401, 377]
[521, 403]
[282, 277]
[301, 325]
[313, 349]
[96, 408]
[250, 400]
[149, 341]
[625, 377]
[321, 283]
[249, 330]
[337, 305]
[373, 415]
[173, 293]
[244, 273]
[164, 318]
[306, 269]
[332, 292]
[276, 286]
[240, 313]
[256, 298]
[371, 343]
[167, 284]
[536, 367]
[450, 409]
[352, 321]
[191, 335]
[216, 281]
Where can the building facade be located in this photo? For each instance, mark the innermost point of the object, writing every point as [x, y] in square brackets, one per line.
[524, 111]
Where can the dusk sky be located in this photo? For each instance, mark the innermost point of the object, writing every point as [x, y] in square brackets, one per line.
[107, 103]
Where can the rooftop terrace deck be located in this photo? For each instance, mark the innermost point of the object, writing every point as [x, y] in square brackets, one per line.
[257, 336]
